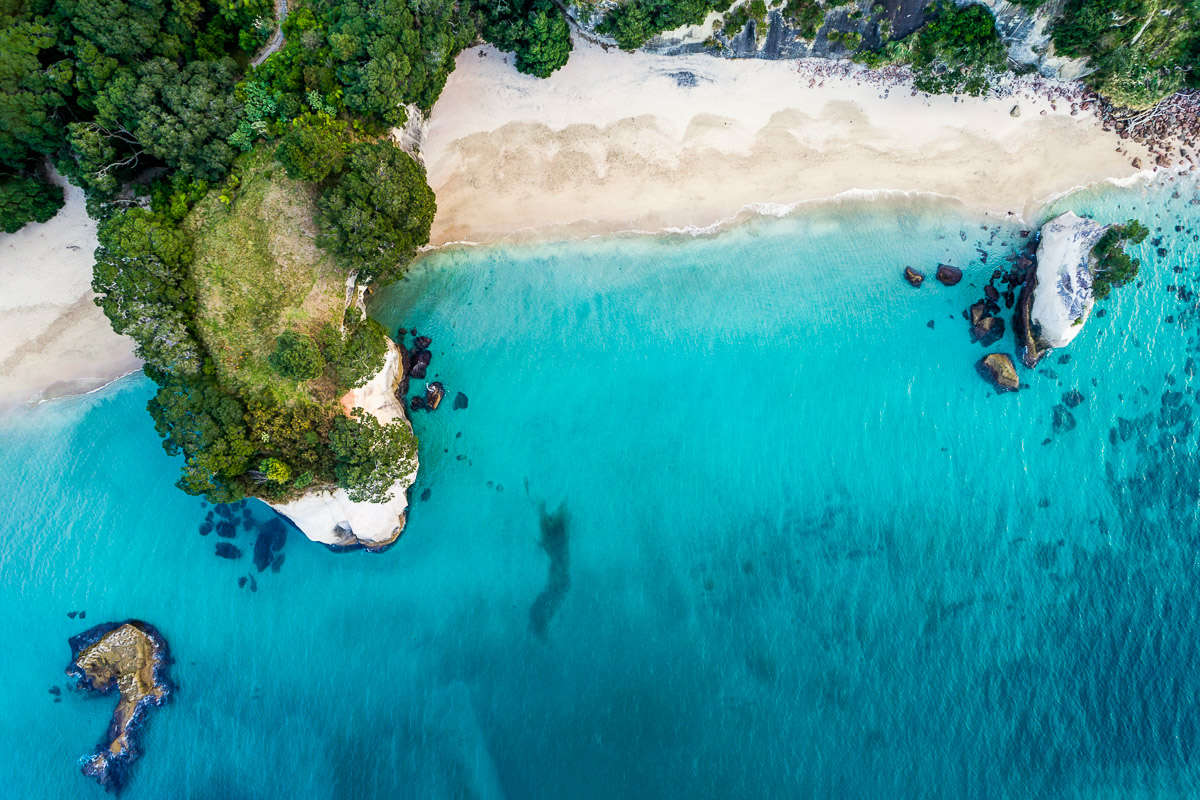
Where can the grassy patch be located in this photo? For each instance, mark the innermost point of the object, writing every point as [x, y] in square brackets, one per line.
[259, 272]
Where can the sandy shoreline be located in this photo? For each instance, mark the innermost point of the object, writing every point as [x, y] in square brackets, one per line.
[617, 141]
[54, 340]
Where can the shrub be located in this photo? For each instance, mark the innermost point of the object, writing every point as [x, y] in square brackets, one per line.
[1114, 268]
[370, 457]
[297, 356]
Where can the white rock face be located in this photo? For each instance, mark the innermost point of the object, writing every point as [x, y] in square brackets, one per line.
[332, 517]
[1063, 298]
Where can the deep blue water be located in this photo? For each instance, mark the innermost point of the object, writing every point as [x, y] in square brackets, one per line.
[725, 517]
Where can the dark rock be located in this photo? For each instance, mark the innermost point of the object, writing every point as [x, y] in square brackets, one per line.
[998, 370]
[425, 494]
[914, 277]
[1062, 419]
[72, 614]
[227, 550]
[948, 275]
[988, 331]
[54, 690]
[1073, 398]
[206, 528]
[242, 582]
[420, 363]
[991, 293]
[83, 615]
[277, 564]
[422, 342]
[434, 392]
[460, 401]
[977, 312]
[1065, 358]
[929, 324]
[226, 530]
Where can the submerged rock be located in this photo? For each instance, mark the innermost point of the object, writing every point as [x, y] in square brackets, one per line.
[131, 657]
[227, 550]
[948, 275]
[998, 369]
[460, 401]
[1057, 298]
[914, 277]
[988, 331]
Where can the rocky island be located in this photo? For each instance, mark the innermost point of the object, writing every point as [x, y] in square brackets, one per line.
[131, 657]
[1078, 260]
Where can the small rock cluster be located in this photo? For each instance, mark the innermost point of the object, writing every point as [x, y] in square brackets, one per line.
[416, 365]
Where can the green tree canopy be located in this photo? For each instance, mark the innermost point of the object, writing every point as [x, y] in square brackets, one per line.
[27, 198]
[535, 30]
[369, 457]
[313, 148]
[379, 210]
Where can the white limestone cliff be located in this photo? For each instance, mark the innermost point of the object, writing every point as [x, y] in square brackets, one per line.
[331, 517]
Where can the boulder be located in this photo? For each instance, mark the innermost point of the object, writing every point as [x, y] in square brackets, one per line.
[460, 401]
[434, 393]
[998, 370]
[420, 363]
[977, 312]
[422, 342]
[948, 275]
[1073, 398]
[991, 293]
[989, 331]
[914, 277]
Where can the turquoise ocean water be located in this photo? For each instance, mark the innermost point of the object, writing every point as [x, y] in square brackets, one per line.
[726, 517]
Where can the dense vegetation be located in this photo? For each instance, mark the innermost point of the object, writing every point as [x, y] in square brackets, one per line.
[958, 51]
[536, 30]
[1141, 50]
[27, 198]
[635, 22]
[1114, 268]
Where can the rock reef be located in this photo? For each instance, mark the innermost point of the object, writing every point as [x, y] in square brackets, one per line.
[131, 657]
[330, 516]
[1057, 297]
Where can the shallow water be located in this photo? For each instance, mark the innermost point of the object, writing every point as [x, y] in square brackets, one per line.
[724, 517]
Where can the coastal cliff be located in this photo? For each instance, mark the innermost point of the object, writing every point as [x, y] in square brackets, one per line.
[330, 516]
[1057, 296]
[131, 657]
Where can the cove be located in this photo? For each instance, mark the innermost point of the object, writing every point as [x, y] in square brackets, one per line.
[722, 512]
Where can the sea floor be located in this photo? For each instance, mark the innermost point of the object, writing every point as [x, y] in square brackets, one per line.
[725, 517]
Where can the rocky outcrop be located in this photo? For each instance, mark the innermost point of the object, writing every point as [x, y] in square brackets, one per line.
[1057, 298]
[131, 657]
[914, 277]
[330, 516]
[998, 370]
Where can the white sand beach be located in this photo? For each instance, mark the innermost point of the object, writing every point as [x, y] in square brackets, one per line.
[53, 339]
[618, 141]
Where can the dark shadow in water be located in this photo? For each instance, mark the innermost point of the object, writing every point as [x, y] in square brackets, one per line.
[555, 541]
